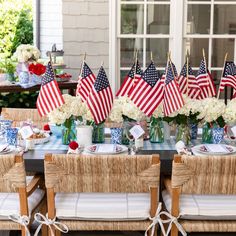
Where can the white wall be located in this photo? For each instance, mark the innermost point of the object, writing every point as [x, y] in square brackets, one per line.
[51, 30]
[85, 29]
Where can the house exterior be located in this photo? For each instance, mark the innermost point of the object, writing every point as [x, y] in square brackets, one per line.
[110, 31]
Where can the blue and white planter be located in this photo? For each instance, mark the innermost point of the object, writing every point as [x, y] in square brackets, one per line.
[11, 136]
[217, 135]
[116, 135]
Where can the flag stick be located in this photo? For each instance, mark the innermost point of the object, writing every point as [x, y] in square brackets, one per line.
[50, 59]
[226, 55]
[102, 63]
[187, 67]
[151, 56]
[82, 65]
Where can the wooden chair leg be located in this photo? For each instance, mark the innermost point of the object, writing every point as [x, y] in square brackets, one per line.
[174, 230]
[23, 231]
[44, 211]
[58, 233]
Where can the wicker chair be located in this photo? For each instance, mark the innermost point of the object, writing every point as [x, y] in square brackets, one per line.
[101, 174]
[19, 114]
[196, 184]
[29, 198]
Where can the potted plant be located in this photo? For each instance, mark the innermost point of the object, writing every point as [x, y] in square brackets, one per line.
[8, 67]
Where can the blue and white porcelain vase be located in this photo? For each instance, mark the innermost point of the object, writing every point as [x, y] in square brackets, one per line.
[193, 130]
[217, 134]
[116, 135]
[24, 77]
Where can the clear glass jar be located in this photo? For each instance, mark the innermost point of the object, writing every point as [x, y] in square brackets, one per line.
[183, 133]
[206, 133]
[68, 131]
[98, 135]
[156, 132]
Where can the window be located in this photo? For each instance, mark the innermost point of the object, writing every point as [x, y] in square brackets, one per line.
[175, 25]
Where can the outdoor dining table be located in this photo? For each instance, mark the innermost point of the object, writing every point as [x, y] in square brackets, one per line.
[34, 158]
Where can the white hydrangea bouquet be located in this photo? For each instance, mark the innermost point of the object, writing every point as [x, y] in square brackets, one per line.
[27, 53]
[230, 112]
[73, 109]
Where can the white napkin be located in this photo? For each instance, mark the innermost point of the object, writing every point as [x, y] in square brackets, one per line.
[72, 151]
[106, 148]
[216, 148]
[181, 148]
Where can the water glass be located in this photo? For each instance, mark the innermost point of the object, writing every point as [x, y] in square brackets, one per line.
[11, 136]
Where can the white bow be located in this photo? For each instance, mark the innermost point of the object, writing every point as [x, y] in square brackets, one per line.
[41, 219]
[157, 220]
[22, 220]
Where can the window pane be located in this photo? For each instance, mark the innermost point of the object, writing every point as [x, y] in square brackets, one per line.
[127, 48]
[158, 0]
[224, 22]
[132, 19]
[195, 46]
[158, 19]
[198, 21]
[219, 48]
[159, 49]
[123, 74]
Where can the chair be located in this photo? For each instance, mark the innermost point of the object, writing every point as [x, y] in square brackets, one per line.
[202, 193]
[18, 199]
[116, 192]
[20, 114]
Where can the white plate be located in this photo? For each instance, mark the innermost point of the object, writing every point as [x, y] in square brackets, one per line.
[36, 140]
[96, 147]
[202, 149]
[8, 150]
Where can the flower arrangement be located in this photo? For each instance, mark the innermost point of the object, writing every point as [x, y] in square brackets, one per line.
[212, 110]
[230, 112]
[26, 53]
[124, 108]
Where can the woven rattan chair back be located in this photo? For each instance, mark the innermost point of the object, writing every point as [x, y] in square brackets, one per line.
[114, 173]
[12, 173]
[19, 114]
[204, 175]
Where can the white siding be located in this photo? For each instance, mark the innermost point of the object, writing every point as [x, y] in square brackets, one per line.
[51, 30]
[85, 29]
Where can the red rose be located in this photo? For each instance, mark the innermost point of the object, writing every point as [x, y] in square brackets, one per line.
[46, 127]
[73, 145]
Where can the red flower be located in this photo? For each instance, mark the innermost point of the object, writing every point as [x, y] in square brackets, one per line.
[73, 145]
[46, 127]
[37, 69]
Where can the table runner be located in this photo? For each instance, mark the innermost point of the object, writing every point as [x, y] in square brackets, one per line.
[56, 144]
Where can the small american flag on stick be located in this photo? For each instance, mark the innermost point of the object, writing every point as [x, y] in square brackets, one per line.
[173, 99]
[100, 98]
[205, 82]
[50, 96]
[148, 92]
[130, 80]
[188, 83]
[228, 76]
[85, 82]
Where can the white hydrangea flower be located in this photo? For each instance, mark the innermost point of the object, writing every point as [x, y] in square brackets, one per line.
[27, 52]
[230, 112]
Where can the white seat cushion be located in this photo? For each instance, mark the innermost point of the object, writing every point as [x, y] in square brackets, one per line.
[204, 207]
[103, 206]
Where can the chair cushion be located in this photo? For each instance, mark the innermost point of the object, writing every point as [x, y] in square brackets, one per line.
[204, 207]
[102, 206]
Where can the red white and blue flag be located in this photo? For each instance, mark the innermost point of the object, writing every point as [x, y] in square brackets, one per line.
[50, 96]
[85, 82]
[188, 83]
[205, 82]
[100, 98]
[148, 92]
[173, 99]
[130, 80]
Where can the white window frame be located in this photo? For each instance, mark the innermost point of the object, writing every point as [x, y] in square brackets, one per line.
[177, 34]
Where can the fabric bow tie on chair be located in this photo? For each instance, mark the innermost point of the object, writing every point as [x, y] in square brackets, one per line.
[22, 220]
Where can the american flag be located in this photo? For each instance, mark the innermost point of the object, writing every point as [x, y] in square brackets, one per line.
[228, 77]
[189, 85]
[148, 92]
[85, 82]
[130, 80]
[205, 82]
[100, 98]
[173, 99]
[50, 96]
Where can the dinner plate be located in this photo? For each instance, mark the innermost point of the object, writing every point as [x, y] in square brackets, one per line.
[106, 149]
[8, 150]
[206, 149]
